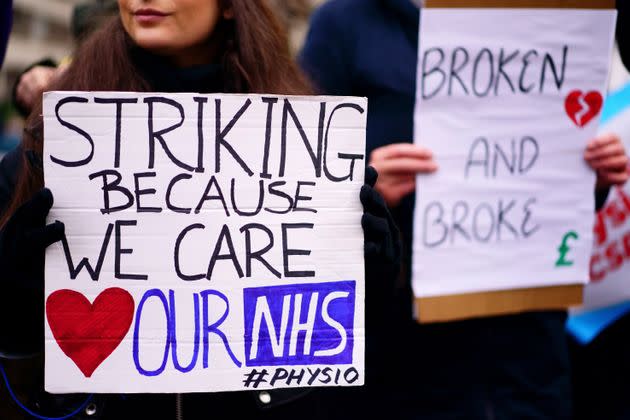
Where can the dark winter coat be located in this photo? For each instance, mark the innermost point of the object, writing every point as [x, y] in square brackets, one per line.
[506, 367]
[6, 20]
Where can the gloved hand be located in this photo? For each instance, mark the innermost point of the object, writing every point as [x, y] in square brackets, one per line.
[382, 239]
[382, 249]
[24, 239]
[22, 243]
[382, 267]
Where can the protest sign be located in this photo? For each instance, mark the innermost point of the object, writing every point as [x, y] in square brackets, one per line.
[212, 242]
[607, 296]
[507, 99]
[610, 266]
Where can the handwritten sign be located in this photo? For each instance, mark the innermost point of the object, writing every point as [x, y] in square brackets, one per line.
[213, 242]
[507, 100]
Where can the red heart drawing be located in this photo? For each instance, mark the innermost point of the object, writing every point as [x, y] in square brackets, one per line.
[88, 333]
[582, 108]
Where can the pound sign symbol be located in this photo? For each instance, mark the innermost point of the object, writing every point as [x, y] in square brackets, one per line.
[563, 249]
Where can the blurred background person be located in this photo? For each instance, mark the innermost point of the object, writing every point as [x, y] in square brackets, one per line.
[40, 29]
[29, 85]
[601, 367]
[6, 20]
[502, 367]
[6, 23]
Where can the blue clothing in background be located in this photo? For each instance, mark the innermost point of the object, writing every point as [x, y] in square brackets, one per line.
[509, 367]
[6, 20]
[369, 48]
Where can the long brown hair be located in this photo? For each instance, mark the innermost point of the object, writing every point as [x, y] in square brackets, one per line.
[255, 58]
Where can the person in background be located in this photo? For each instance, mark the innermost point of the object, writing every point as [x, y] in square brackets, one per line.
[205, 46]
[601, 368]
[623, 31]
[28, 87]
[6, 22]
[499, 368]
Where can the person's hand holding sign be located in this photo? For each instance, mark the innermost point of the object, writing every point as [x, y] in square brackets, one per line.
[606, 155]
[382, 239]
[397, 165]
[382, 251]
[23, 240]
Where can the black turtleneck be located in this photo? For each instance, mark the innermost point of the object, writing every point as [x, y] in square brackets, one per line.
[163, 76]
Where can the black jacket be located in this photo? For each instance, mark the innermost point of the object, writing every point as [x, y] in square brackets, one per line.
[623, 31]
[506, 367]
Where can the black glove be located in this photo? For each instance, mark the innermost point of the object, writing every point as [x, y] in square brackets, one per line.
[24, 239]
[22, 243]
[382, 250]
[382, 267]
[382, 239]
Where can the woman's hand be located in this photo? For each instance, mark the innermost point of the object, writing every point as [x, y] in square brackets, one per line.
[25, 237]
[397, 165]
[606, 155]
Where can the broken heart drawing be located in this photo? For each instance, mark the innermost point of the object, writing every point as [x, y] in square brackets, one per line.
[583, 107]
[87, 332]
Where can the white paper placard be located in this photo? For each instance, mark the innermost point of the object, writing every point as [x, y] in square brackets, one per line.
[507, 100]
[213, 242]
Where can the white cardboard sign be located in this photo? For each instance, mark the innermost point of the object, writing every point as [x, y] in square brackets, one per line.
[507, 100]
[213, 242]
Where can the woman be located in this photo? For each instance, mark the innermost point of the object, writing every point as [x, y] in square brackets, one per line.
[233, 46]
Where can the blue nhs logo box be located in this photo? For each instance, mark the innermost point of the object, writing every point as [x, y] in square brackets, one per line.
[299, 324]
